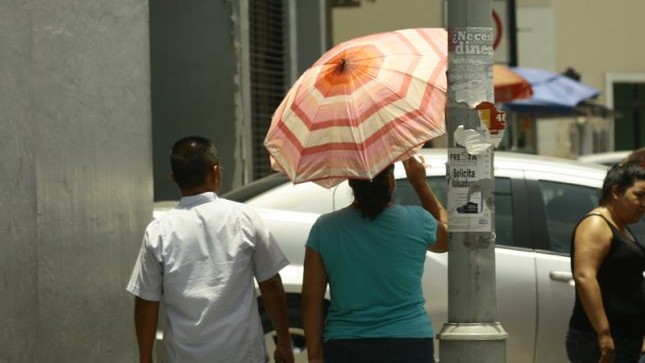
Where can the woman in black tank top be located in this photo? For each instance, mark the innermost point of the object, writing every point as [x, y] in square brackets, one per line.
[608, 262]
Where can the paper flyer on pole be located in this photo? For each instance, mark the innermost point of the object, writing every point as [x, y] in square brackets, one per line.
[469, 177]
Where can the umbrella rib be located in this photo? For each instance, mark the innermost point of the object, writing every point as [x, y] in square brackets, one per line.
[354, 114]
[350, 111]
[409, 106]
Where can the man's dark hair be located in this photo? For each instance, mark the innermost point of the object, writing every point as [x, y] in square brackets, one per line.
[622, 175]
[192, 159]
[372, 196]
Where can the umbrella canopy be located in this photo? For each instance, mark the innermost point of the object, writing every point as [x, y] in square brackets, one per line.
[551, 89]
[365, 104]
[509, 85]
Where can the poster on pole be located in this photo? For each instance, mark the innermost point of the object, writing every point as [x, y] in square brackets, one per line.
[501, 27]
[470, 178]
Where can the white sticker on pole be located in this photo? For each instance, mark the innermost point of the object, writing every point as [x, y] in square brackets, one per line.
[470, 187]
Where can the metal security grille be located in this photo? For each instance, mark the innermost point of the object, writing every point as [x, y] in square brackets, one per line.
[268, 39]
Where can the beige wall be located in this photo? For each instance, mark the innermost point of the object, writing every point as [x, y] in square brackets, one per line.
[385, 15]
[593, 36]
[597, 37]
[532, 2]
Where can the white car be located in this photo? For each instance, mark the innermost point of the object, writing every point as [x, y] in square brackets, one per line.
[607, 158]
[538, 202]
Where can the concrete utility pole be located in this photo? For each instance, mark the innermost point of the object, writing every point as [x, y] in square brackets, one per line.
[472, 333]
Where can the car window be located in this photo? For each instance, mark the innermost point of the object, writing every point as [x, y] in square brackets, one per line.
[564, 205]
[503, 212]
[404, 194]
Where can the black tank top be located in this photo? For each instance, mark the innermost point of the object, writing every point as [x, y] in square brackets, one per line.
[622, 286]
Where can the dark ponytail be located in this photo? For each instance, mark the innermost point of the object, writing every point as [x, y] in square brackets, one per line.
[372, 196]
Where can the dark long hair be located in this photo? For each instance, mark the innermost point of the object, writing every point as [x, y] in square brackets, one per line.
[622, 175]
[372, 196]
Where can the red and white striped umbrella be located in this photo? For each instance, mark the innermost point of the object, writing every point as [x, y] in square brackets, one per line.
[365, 104]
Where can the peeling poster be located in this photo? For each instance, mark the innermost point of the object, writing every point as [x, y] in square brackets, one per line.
[470, 186]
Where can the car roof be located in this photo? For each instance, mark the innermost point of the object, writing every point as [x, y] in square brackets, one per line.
[606, 158]
[438, 156]
[525, 162]
[256, 187]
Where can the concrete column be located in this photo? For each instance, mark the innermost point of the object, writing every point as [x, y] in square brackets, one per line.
[75, 176]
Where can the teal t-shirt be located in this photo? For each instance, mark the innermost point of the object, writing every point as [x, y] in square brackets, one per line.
[374, 270]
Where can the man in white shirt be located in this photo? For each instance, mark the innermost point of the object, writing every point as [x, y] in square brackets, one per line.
[201, 258]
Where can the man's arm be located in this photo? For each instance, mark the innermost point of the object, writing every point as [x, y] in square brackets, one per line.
[275, 303]
[145, 321]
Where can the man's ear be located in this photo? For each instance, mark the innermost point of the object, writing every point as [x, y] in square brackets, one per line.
[172, 176]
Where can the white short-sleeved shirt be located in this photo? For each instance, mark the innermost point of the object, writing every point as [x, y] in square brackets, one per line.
[201, 258]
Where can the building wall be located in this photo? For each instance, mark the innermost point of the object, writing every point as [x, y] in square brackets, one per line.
[592, 37]
[311, 38]
[76, 181]
[201, 78]
[587, 34]
[385, 15]
[194, 69]
[600, 42]
[598, 39]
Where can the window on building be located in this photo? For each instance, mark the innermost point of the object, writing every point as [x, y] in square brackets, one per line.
[629, 127]
[268, 39]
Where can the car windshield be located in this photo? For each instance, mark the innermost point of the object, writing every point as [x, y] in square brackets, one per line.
[255, 188]
[276, 191]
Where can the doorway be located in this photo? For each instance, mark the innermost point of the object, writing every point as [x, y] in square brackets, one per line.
[626, 95]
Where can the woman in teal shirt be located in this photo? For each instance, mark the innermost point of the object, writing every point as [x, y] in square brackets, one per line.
[372, 254]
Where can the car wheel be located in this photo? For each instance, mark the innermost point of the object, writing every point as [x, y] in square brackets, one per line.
[297, 340]
[295, 329]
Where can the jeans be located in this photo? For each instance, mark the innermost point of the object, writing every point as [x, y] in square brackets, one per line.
[582, 347]
[379, 350]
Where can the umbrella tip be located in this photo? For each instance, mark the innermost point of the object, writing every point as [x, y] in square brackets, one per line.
[341, 65]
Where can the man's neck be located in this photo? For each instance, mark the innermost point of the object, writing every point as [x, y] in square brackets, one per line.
[195, 191]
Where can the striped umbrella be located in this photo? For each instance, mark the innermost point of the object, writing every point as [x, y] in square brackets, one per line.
[363, 105]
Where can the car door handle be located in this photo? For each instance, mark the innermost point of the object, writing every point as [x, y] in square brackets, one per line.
[562, 276]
